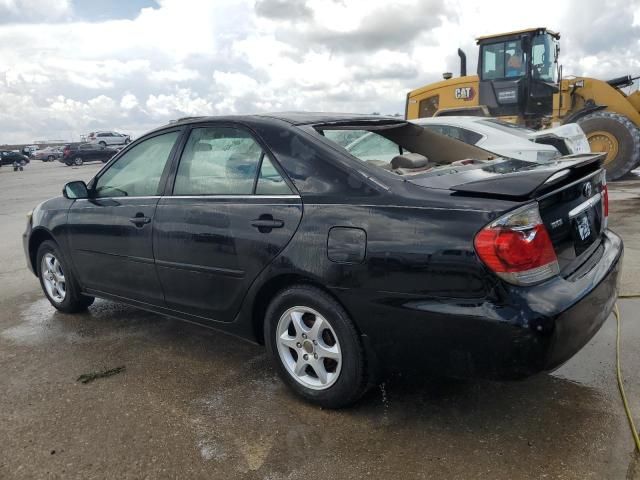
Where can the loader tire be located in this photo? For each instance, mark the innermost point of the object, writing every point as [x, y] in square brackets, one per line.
[616, 135]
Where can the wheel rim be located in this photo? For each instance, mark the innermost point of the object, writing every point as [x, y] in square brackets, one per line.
[53, 278]
[601, 141]
[78, 161]
[309, 348]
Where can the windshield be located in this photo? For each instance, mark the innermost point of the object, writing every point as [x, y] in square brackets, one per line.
[544, 58]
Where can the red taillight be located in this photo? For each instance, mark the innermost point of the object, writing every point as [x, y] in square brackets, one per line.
[517, 247]
[605, 200]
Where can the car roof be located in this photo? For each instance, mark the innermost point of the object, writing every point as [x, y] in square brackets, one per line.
[293, 118]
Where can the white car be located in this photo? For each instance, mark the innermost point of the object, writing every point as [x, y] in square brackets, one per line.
[509, 140]
[108, 138]
[30, 150]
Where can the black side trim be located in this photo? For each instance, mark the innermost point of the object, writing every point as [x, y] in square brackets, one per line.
[229, 272]
[127, 257]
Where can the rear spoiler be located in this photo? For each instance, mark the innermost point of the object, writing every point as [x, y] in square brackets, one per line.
[528, 184]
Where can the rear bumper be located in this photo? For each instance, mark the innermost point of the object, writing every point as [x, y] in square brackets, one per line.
[521, 332]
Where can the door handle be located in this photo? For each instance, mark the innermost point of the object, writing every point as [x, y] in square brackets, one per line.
[140, 220]
[266, 222]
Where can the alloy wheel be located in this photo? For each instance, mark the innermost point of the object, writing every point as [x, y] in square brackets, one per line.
[308, 348]
[53, 278]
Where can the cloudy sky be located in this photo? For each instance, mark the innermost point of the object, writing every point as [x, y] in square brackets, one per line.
[68, 67]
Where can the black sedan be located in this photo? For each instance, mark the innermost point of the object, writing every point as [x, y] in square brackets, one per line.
[86, 152]
[7, 157]
[347, 266]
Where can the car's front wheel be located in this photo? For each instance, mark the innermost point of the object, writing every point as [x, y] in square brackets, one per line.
[315, 347]
[58, 282]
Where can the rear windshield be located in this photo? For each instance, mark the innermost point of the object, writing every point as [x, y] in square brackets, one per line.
[402, 148]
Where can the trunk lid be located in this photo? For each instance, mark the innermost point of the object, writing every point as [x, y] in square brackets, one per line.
[570, 194]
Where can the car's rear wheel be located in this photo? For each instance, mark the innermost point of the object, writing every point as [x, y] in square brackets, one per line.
[78, 161]
[51, 158]
[315, 347]
[103, 143]
[57, 281]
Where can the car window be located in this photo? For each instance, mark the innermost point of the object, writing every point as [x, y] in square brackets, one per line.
[270, 182]
[344, 137]
[138, 171]
[218, 161]
[372, 146]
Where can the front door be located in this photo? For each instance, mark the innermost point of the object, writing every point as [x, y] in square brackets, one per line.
[230, 214]
[111, 232]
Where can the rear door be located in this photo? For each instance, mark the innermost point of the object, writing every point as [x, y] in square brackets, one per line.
[229, 214]
[111, 232]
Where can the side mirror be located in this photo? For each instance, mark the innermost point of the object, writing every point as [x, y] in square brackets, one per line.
[75, 190]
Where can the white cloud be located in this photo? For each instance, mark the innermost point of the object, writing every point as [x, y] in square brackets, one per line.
[128, 101]
[63, 77]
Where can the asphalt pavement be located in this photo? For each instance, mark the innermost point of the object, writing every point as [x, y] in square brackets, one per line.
[195, 403]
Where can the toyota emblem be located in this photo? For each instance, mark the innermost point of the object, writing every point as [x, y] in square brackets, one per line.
[586, 190]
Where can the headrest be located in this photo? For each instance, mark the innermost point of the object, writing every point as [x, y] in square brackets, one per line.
[409, 160]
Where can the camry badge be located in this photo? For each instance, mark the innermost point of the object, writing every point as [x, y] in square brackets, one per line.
[557, 223]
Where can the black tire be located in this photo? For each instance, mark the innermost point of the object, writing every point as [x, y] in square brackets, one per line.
[351, 382]
[73, 300]
[626, 134]
[78, 161]
[104, 144]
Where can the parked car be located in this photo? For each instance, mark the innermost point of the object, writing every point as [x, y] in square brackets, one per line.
[445, 258]
[86, 152]
[108, 138]
[48, 154]
[29, 150]
[8, 157]
[510, 140]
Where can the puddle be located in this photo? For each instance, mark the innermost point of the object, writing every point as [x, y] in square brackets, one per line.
[38, 326]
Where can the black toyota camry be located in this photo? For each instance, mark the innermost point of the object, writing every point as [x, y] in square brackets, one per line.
[347, 259]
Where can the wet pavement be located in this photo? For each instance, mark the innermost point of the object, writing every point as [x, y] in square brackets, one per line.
[194, 403]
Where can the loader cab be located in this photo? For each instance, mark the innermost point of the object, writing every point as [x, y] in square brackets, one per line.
[518, 73]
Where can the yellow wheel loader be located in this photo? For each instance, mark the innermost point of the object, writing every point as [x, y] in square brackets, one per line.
[519, 81]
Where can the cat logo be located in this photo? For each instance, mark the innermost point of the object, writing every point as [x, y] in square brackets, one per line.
[464, 93]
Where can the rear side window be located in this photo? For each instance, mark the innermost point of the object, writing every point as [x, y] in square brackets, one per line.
[138, 171]
[218, 161]
[270, 182]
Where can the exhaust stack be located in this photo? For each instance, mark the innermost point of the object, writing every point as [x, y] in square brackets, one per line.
[463, 63]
